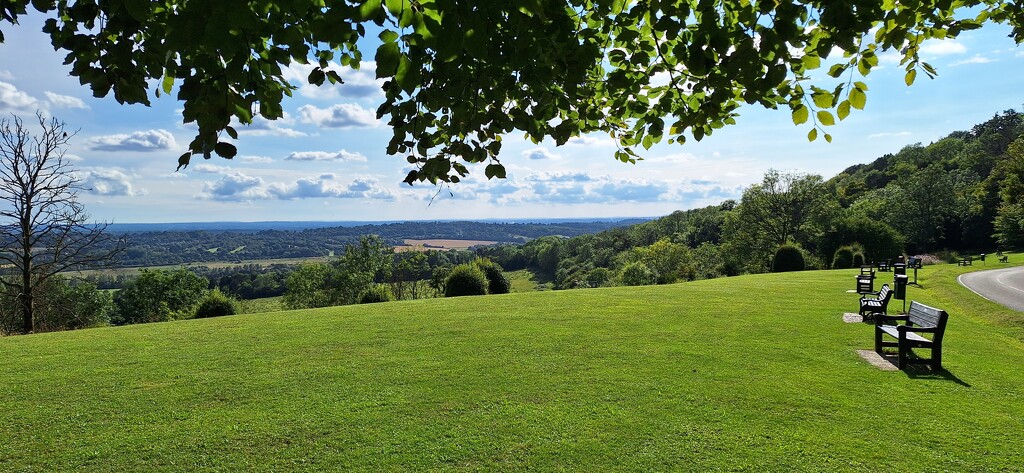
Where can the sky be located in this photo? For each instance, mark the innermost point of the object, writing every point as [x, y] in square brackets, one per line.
[326, 159]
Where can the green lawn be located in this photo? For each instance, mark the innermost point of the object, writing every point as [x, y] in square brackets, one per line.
[755, 373]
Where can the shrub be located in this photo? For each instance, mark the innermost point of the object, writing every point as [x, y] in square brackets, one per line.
[159, 295]
[376, 293]
[637, 274]
[843, 258]
[216, 304]
[497, 283]
[858, 260]
[788, 257]
[598, 277]
[465, 280]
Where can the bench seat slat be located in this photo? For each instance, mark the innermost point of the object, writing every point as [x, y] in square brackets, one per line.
[891, 330]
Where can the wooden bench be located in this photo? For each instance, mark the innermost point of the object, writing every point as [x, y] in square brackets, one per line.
[883, 266]
[1004, 259]
[878, 303]
[965, 261]
[920, 319]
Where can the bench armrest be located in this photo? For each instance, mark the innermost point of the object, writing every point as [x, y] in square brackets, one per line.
[880, 319]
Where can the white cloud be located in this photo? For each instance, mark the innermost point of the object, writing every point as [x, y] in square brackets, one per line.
[107, 181]
[324, 186]
[942, 48]
[12, 99]
[64, 101]
[539, 153]
[6, 75]
[142, 141]
[359, 83]
[345, 115]
[234, 187]
[255, 159]
[889, 134]
[262, 127]
[208, 169]
[977, 59]
[590, 141]
[341, 155]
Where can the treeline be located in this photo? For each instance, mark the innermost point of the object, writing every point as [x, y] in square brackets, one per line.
[962, 193]
[200, 246]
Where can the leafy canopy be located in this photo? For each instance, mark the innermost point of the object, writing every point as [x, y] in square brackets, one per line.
[459, 75]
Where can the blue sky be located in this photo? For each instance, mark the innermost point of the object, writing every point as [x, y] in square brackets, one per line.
[326, 160]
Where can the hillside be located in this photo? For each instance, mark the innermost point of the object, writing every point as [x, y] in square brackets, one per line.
[746, 373]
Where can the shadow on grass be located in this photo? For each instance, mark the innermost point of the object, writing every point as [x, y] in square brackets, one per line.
[925, 372]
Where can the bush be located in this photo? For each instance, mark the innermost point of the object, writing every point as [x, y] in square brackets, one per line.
[159, 295]
[843, 258]
[788, 257]
[637, 274]
[598, 277]
[216, 304]
[858, 260]
[497, 283]
[465, 280]
[376, 293]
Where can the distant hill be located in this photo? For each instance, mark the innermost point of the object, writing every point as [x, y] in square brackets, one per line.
[178, 243]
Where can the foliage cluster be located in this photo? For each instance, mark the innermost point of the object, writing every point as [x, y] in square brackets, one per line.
[962, 192]
[788, 257]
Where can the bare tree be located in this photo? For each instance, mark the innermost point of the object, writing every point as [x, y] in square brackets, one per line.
[43, 227]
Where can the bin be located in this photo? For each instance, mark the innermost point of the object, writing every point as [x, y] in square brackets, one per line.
[899, 268]
[865, 283]
[900, 291]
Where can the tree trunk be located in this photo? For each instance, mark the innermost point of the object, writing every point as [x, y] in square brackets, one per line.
[28, 318]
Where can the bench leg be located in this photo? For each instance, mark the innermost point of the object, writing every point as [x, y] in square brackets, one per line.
[937, 357]
[901, 360]
[878, 340]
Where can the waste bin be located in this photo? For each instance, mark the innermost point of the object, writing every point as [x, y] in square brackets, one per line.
[901, 287]
[865, 283]
[899, 268]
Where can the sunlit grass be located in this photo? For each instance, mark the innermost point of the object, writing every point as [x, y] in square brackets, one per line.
[753, 373]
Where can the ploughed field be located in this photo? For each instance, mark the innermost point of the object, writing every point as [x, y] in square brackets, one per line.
[746, 373]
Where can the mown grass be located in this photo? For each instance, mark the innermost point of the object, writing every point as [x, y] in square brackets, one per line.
[755, 373]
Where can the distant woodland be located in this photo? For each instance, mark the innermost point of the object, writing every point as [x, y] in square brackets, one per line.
[206, 246]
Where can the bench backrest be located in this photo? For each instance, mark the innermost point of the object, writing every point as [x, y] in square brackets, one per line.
[885, 292]
[921, 315]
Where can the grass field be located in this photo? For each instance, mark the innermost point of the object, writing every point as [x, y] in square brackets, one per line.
[754, 373]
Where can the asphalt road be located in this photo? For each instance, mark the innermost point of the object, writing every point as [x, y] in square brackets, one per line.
[1005, 286]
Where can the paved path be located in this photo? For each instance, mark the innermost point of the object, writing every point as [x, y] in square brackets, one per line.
[1005, 286]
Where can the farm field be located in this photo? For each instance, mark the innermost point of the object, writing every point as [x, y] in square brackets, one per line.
[441, 244]
[754, 373]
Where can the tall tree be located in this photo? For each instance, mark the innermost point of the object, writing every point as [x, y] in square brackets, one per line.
[44, 228]
[458, 74]
[783, 207]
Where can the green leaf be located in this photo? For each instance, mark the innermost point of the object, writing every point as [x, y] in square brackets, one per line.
[843, 110]
[828, 137]
[407, 75]
[387, 58]
[225, 150]
[800, 114]
[857, 98]
[183, 160]
[388, 36]
[822, 98]
[138, 9]
[811, 61]
[909, 78]
[825, 118]
[494, 170]
[168, 83]
[812, 135]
